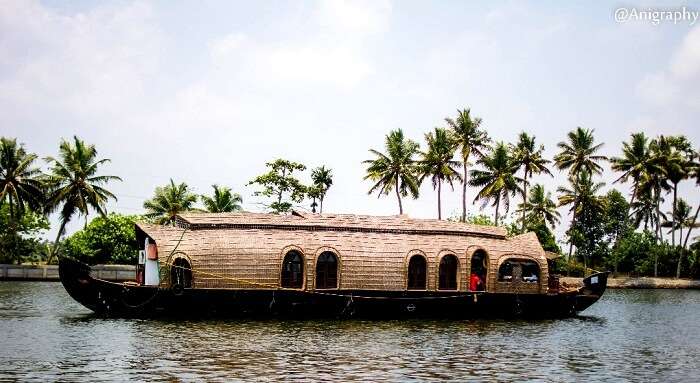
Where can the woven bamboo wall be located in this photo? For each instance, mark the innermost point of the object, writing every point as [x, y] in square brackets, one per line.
[235, 258]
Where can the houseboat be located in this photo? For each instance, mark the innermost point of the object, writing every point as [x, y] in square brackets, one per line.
[332, 265]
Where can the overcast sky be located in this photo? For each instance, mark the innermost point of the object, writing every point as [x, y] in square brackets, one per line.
[207, 92]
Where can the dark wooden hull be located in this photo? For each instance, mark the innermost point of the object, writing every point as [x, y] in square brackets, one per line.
[120, 300]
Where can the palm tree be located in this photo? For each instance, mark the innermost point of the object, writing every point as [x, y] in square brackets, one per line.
[681, 219]
[694, 173]
[20, 184]
[222, 201]
[322, 179]
[470, 139]
[579, 153]
[497, 181]
[528, 156]
[674, 155]
[437, 162]
[634, 163]
[644, 210]
[75, 184]
[20, 181]
[540, 207]
[396, 169]
[168, 202]
[582, 196]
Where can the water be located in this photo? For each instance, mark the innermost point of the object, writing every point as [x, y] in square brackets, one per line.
[630, 335]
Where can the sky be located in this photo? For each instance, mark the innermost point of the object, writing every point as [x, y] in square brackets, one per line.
[207, 92]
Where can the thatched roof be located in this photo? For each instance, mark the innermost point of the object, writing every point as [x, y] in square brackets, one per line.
[335, 222]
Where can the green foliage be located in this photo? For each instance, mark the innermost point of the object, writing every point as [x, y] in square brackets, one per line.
[437, 162]
[222, 201]
[18, 235]
[280, 184]
[470, 140]
[480, 219]
[75, 184]
[20, 183]
[497, 180]
[322, 179]
[544, 235]
[105, 240]
[396, 170]
[169, 201]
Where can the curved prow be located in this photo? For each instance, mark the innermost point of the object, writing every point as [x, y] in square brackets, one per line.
[76, 279]
[595, 284]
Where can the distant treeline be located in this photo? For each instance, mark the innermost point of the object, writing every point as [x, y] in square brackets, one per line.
[627, 234]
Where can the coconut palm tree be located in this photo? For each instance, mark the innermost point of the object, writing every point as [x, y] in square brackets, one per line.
[674, 155]
[579, 153]
[582, 195]
[222, 201]
[168, 202]
[20, 185]
[636, 160]
[470, 140]
[540, 207]
[20, 181]
[396, 169]
[75, 184]
[322, 178]
[644, 210]
[528, 157]
[437, 162]
[497, 180]
[695, 174]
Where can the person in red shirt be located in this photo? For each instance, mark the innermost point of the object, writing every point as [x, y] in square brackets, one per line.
[475, 283]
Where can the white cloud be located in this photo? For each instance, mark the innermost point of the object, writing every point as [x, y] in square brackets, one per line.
[357, 16]
[677, 84]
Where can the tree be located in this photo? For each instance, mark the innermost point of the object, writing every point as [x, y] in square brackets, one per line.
[644, 210]
[615, 220]
[635, 162]
[396, 170]
[437, 162]
[20, 187]
[497, 180]
[280, 184]
[20, 183]
[674, 155]
[168, 201]
[470, 140]
[322, 179]
[540, 207]
[583, 198]
[222, 201]
[75, 184]
[19, 236]
[694, 173]
[579, 153]
[528, 157]
[106, 239]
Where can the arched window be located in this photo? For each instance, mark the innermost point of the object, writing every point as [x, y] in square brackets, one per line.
[448, 272]
[417, 273]
[505, 272]
[530, 271]
[181, 273]
[478, 268]
[293, 270]
[327, 271]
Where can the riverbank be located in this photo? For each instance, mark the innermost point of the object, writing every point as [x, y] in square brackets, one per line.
[640, 283]
[116, 273]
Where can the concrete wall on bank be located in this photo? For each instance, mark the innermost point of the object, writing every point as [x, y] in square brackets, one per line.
[115, 273]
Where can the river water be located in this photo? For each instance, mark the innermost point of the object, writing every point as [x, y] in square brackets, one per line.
[629, 335]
